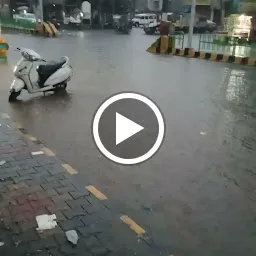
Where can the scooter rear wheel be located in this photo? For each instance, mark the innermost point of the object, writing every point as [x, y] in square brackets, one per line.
[13, 96]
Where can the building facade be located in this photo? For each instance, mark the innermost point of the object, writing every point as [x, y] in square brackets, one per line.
[247, 7]
[4, 7]
[156, 6]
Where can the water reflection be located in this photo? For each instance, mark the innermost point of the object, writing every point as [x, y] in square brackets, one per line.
[237, 129]
[33, 106]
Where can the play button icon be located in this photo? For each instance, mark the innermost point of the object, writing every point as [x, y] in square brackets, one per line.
[128, 128]
[125, 128]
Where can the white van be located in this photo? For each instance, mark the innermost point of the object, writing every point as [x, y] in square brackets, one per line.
[144, 19]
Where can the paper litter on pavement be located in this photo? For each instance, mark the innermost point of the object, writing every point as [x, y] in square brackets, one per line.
[46, 222]
[36, 153]
[72, 236]
[2, 162]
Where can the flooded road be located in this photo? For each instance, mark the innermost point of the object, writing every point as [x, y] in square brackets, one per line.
[197, 195]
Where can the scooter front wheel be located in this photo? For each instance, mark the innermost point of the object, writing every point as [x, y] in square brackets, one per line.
[60, 88]
[13, 96]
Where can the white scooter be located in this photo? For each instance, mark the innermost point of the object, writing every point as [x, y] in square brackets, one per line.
[52, 76]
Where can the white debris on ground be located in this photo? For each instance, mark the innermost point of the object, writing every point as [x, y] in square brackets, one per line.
[5, 116]
[1, 244]
[203, 133]
[46, 222]
[36, 153]
[72, 236]
[2, 162]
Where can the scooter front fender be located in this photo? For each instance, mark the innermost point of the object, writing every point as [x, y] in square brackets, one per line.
[17, 85]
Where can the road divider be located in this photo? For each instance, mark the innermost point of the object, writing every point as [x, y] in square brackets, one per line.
[46, 29]
[165, 45]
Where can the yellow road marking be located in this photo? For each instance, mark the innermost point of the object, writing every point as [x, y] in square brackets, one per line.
[18, 125]
[96, 192]
[48, 152]
[5, 116]
[69, 169]
[133, 225]
[30, 137]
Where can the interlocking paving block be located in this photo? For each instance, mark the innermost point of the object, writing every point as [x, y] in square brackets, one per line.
[32, 185]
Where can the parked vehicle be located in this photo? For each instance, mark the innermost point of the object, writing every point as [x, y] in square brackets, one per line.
[52, 76]
[122, 24]
[144, 19]
[203, 25]
[153, 26]
[125, 29]
[76, 18]
[181, 23]
[55, 23]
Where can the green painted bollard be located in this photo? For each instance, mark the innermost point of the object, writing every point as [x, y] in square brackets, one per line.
[171, 43]
[3, 49]
[173, 39]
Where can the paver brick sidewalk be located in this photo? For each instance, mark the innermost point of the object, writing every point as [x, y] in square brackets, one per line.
[34, 185]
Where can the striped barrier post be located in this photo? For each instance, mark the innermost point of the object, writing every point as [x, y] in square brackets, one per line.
[166, 44]
[3, 49]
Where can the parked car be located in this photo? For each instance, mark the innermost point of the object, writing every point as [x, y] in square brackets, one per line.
[26, 16]
[144, 19]
[204, 25]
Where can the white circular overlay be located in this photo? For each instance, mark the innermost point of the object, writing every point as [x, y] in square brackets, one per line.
[149, 103]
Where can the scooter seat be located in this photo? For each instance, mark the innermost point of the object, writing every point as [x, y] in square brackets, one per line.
[46, 70]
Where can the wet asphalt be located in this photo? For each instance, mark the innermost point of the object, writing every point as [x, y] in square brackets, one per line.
[197, 195]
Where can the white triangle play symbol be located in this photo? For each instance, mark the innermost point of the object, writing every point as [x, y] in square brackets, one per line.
[125, 128]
